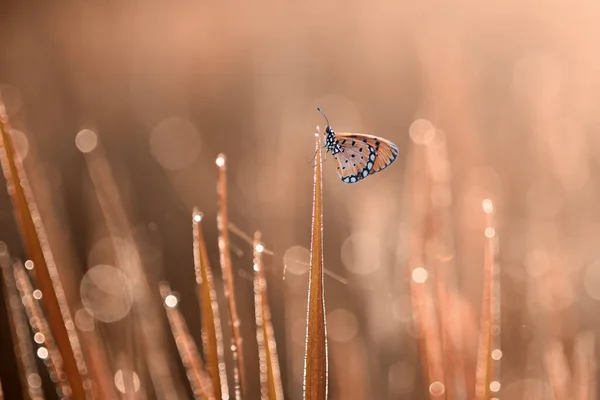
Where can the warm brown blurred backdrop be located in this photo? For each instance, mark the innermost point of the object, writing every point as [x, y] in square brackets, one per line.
[512, 88]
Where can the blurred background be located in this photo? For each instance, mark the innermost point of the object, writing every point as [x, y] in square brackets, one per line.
[132, 102]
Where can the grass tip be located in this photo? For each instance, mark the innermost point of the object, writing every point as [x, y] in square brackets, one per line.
[197, 215]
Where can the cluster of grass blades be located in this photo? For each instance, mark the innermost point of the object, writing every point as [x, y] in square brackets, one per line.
[77, 362]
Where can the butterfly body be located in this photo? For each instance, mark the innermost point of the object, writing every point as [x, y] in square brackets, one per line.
[358, 155]
[332, 144]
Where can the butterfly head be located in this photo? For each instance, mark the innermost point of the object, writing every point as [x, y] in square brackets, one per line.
[331, 142]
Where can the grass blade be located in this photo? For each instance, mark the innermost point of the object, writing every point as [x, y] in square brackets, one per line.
[557, 370]
[234, 320]
[188, 352]
[487, 371]
[584, 369]
[422, 294]
[34, 237]
[146, 311]
[270, 375]
[212, 337]
[39, 326]
[442, 260]
[26, 362]
[315, 357]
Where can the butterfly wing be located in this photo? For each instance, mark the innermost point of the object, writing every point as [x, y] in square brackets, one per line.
[362, 155]
[353, 159]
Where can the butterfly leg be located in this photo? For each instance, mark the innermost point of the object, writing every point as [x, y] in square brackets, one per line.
[315, 156]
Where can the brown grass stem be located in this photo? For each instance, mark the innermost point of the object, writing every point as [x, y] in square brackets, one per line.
[39, 326]
[424, 310]
[585, 367]
[270, 374]
[490, 312]
[17, 318]
[557, 370]
[237, 349]
[212, 337]
[442, 262]
[199, 380]
[315, 358]
[34, 237]
[145, 310]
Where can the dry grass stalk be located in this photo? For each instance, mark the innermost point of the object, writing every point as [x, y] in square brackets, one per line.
[100, 371]
[584, 369]
[558, 371]
[26, 362]
[212, 337]
[442, 262]
[39, 325]
[199, 380]
[234, 320]
[270, 375]
[424, 310]
[34, 237]
[489, 334]
[315, 358]
[145, 314]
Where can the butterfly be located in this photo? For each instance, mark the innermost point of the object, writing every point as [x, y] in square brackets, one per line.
[358, 155]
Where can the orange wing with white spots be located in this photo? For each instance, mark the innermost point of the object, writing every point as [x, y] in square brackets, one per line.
[362, 155]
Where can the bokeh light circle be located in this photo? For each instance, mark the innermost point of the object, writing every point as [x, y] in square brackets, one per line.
[42, 353]
[39, 338]
[421, 132]
[20, 142]
[487, 206]
[419, 275]
[171, 301]
[437, 388]
[84, 320]
[106, 293]
[360, 253]
[86, 140]
[342, 325]
[496, 354]
[296, 260]
[175, 143]
[34, 381]
[120, 377]
[495, 386]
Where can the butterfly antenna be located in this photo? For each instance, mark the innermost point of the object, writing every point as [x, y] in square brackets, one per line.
[323, 114]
